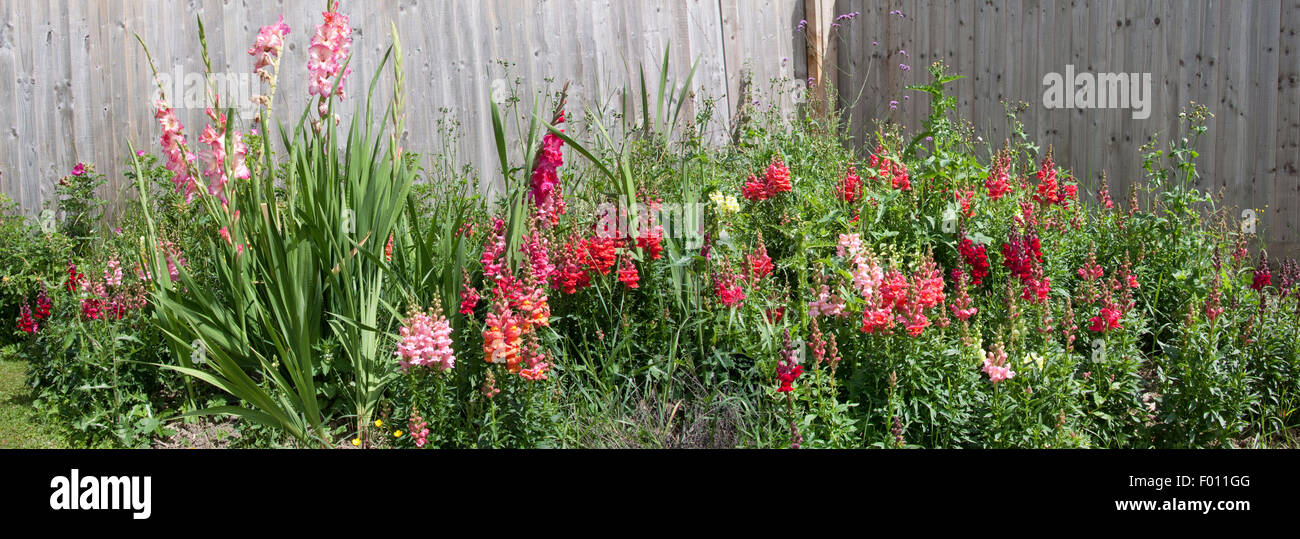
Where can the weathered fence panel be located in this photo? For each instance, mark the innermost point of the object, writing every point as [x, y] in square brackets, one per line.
[74, 84]
[1240, 58]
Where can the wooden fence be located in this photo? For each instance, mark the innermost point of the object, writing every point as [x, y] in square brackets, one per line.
[74, 84]
[1241, 58]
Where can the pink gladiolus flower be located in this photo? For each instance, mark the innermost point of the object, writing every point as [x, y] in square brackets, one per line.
[329, 50]
[213, 158]
[267, 47]
[173, 145]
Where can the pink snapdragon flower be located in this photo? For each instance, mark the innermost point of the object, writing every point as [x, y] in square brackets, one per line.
[419, 429]
[826, 304]
[546, 193]
[729, 291]
[426, 342]
[329, 50]
[113, 273]
[995, 365]
[493, 262]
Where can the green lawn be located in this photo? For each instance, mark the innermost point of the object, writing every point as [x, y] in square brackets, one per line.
[20, 426]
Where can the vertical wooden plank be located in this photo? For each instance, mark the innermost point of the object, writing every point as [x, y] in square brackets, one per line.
[1261, 97]
[11, 170]
[1078, 54]
[1287, 139]
[1229, 110]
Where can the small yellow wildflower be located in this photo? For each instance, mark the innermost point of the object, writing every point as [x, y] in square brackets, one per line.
[356, 442]
[397, 434]
[379, 422]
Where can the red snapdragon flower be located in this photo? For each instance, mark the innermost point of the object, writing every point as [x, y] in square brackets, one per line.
[788, 368]
[42, 303]
[26, 322]
[776, 180]
[976, 257]
[850, 188]
[1262, 277]
[1106, 320]
[998, 182]
[627, 273]
[760, 265]
[886, 167]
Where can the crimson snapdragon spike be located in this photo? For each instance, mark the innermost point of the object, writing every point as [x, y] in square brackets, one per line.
[976, 258]
[26, 322]
[627, 273]
[760, 264]
[726, 285]
[43, 304]
[1022, 254]
[468, 294]
[74, 278]
[775, 180]
[1049, 190]
[887, 168]
[1262, 276]
[999, 181]
[850, 188]
[650, 238]
[788, 368]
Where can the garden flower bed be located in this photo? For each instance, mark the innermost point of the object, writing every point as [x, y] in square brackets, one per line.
[634, 286]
